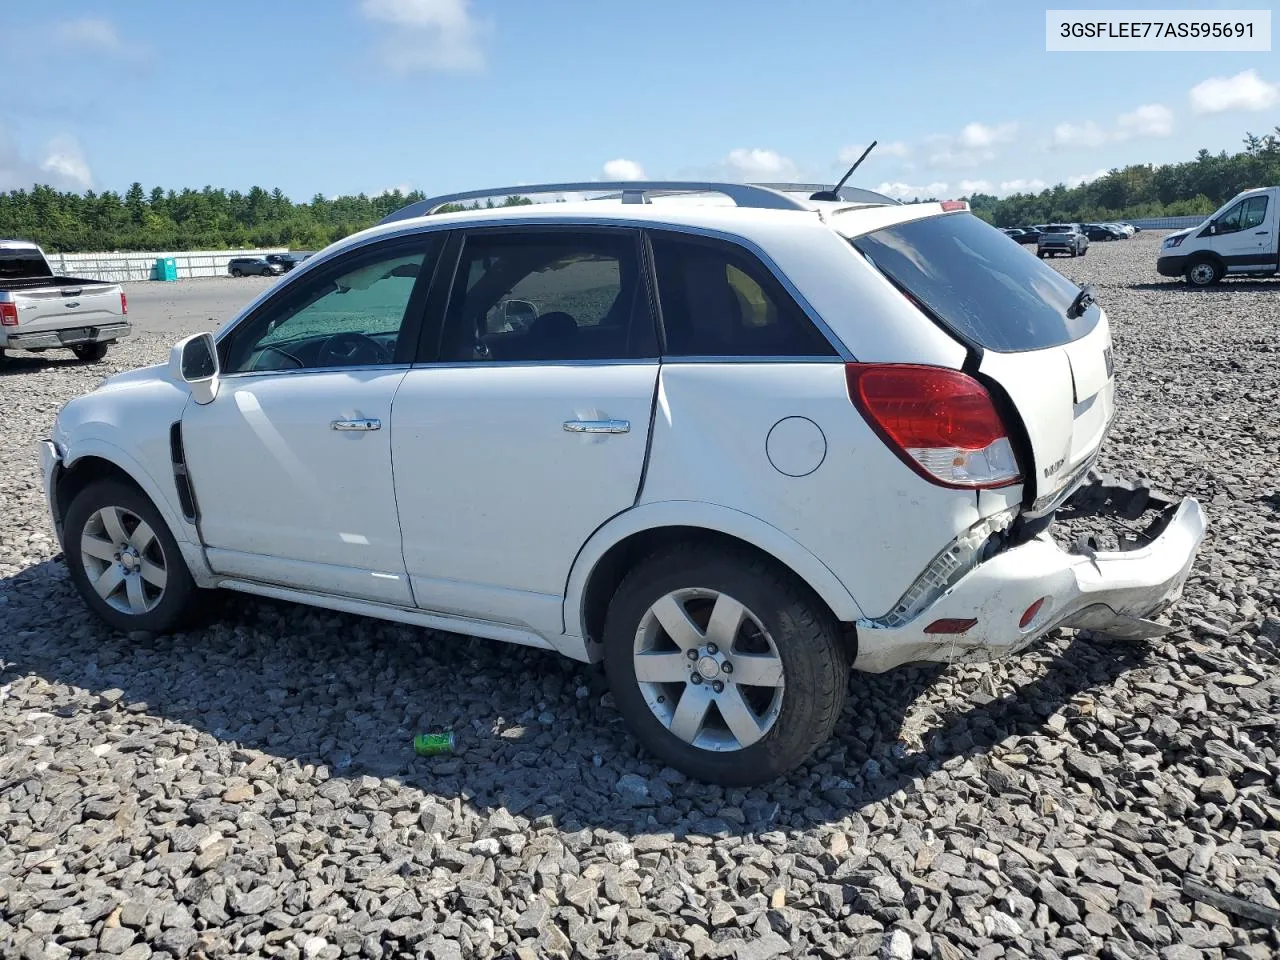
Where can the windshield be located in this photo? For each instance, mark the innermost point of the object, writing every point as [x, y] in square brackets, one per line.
[984, 288]
[21, 263]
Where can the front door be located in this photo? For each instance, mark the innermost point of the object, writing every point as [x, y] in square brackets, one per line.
[1243, 237]
[528, 427]
[291, 461]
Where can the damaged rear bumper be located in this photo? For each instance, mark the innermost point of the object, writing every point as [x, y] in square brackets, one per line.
[1114, 592]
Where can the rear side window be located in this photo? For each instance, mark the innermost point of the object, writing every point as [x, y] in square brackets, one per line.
[549, 295]
[987, 291]
[720, 301]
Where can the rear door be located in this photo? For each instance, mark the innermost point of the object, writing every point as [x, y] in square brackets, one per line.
[1014, 313]
[526, 426]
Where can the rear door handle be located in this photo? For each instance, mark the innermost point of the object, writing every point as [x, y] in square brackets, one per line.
[361, 423]
[597, 426]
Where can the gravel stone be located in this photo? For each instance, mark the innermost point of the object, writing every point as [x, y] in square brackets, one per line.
[247, 788]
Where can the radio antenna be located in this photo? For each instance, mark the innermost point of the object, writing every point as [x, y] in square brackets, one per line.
[834, 192]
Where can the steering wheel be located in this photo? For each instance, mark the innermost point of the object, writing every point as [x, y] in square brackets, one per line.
[352, 350]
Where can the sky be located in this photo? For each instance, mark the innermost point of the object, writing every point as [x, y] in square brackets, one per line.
[340, 97]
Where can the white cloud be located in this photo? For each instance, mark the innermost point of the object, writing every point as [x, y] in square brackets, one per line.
[621, 169]
[760, 164]
[66, 162]
[976, 136]
[1022, 185]
[1087, 134]
[970, 187]
[430, 34]
[92, 33]
[894, 148]
[1245, 91]
[907, 191]
[1149, 120]
[1084, 178]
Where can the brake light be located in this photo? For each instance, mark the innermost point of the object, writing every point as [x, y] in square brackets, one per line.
[8, 314]
[950, 206]
[124, 304]
[941, 423]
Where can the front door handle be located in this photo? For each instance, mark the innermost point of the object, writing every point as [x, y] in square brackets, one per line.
[597, 426]
[1261, 233]
[361, 423]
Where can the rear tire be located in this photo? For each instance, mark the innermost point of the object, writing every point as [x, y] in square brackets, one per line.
[89, 352]
[125, 562]
[1204, 273]
[742, 618]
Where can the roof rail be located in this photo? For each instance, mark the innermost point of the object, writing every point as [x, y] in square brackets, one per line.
[848, 194]
[762, 196]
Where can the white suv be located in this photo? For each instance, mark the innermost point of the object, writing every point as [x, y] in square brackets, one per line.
[730, 449]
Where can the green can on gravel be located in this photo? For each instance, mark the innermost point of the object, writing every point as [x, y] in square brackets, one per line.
[433, 744]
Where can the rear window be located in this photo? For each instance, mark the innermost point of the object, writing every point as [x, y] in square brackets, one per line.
[19, 263]
[984, 289]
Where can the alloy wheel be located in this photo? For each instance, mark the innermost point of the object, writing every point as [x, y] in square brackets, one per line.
[123, 560]
[708, 669]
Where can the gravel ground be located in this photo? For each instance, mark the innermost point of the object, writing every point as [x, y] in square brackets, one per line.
[248, 788]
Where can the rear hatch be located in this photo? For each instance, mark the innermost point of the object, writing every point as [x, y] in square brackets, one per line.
[1014, 314]
[1057, 237]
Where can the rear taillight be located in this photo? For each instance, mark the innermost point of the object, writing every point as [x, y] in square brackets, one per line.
[124, 304]
[8, 314]
[942, 423]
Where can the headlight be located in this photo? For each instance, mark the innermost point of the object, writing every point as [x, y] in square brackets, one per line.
[1171, 242]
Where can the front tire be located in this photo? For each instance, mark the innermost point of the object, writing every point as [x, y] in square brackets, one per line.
[237, 272]
[722, 665]
[89, 352]
[124, 561]
[1204, 273]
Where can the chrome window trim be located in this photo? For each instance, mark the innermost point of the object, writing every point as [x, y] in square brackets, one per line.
[301, 371]
[633, 362]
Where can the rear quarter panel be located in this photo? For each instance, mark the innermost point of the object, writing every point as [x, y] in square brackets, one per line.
[864, 514]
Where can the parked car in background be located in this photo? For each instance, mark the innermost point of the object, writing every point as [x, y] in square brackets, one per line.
[41, 311]
[1241, 238]
[253, 266]
[728, 551]
[1057, 238]
[1028, 235]
[1129, 228]
[286, 261]
[1013, 233]
[1104, 232]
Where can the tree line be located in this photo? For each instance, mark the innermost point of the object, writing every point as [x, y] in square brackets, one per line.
[1196, 186]
[218, 219]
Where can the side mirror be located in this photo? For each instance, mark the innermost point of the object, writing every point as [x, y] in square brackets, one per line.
[194, 361]
[519, 312]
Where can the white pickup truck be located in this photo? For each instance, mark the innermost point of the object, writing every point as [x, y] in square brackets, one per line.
[40, 311]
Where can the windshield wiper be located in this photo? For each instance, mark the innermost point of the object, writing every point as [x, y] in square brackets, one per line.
[1083, 301]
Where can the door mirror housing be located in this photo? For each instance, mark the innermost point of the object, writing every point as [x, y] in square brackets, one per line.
[194, 361]
[519, 313]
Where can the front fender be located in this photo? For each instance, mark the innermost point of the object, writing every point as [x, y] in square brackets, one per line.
[160, 490]
[707, 516]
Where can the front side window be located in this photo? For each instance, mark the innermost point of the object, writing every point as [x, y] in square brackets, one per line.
[350, 315]
[718, 300]
[1254, 213]
[1229, 222]
[550, 295]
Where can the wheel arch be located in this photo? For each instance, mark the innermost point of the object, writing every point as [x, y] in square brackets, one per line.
[619, 544]
[94, 460]
[1206, 256]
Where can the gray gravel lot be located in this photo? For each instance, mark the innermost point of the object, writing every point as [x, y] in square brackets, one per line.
[249, 788]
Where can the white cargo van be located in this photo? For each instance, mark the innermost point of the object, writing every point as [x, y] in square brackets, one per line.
[1240, 239]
